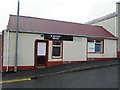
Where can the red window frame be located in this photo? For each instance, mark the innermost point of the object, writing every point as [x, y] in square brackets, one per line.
[102, 46]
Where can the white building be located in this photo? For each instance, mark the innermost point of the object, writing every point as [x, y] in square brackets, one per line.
[44, 43]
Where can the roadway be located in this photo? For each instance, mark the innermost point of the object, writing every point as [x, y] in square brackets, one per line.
[104, 77]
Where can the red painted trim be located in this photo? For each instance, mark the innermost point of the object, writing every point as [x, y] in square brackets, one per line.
[46, 60]
[98, 59]
[118, 53]
[11, 68]
[36, 48]
[47, 52]
[87, 50]
[62, 49]
[95, 52]
[55, 63]
[74, 61]
[102, 47]
[96, 39]
[2, 49]
[35, 54]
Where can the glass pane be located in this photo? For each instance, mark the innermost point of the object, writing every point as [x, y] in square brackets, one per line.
[41, 49]
[91, 47]
[97, 47]
[56, 51]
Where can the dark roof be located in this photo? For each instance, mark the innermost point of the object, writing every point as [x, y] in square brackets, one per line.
[33, 24]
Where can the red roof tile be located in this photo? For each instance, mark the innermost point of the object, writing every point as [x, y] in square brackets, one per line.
[53, 26]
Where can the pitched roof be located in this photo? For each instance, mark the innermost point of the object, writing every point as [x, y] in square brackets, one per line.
[33, 24]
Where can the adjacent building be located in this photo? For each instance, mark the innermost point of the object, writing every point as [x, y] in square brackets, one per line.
[111, 23]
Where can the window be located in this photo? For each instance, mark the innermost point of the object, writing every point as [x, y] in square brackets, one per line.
[98, 46]
[95, 46]
[57, 49]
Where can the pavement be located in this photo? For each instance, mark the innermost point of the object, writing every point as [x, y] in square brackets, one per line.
[70, 67]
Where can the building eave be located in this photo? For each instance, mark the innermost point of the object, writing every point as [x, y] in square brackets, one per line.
[84, 36]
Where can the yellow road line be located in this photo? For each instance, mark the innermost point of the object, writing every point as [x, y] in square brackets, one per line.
[14, 80]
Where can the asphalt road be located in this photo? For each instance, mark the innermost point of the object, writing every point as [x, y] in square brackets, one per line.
[106, 77]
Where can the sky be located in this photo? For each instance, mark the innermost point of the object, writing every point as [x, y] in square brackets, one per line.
[79, 11]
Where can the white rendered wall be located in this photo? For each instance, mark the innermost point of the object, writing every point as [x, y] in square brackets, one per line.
[26, 48]
[72, 50]
[5, 48]
[76, 50]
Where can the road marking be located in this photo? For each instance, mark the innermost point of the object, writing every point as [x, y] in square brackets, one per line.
[14, 80]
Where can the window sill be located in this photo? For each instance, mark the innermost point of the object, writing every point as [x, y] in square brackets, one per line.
[95, 52]
[54, 57]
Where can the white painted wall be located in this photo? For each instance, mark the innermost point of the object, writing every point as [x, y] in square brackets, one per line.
[25, 50]
[72, 50]
[76, 50]
[109, 25]
[110, 47]
[5, 47]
